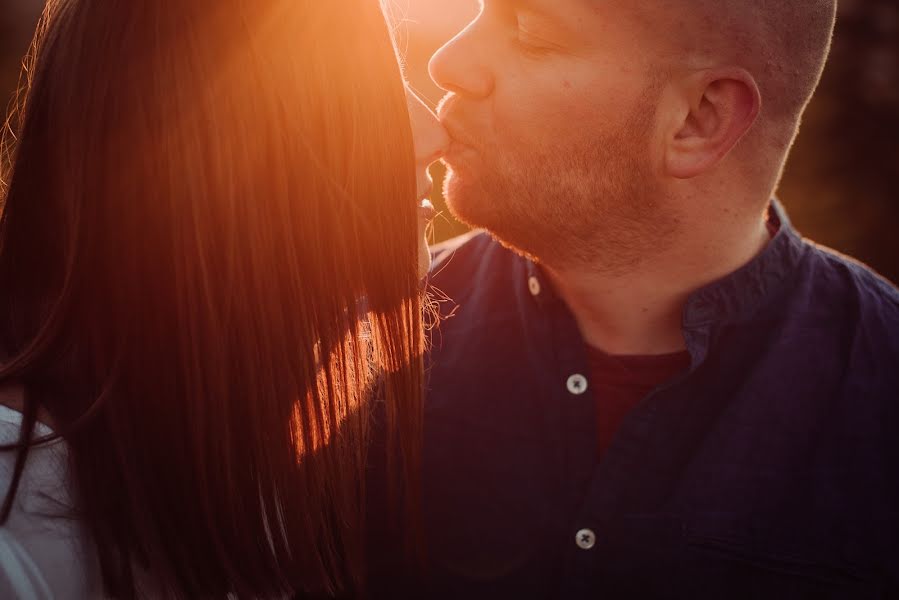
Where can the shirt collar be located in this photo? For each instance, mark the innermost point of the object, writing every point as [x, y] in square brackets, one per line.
[729, 298]
[746, 289]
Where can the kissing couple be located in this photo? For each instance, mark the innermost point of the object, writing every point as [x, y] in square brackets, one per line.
[222, 378]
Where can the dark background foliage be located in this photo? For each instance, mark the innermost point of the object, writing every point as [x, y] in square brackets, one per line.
[841, 186]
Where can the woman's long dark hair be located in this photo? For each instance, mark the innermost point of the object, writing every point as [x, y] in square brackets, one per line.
[207, 264]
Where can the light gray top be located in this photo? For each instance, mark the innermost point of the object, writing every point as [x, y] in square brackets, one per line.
[43, 550]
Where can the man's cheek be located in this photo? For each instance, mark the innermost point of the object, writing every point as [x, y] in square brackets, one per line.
[534, 129]
[524, 134]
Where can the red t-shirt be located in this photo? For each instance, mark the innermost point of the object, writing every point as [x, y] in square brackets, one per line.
[619, 383]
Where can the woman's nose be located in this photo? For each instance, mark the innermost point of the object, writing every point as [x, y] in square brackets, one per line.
[431, 139]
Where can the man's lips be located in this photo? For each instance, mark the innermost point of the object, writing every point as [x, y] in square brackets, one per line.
[448, 113]
[459, 141]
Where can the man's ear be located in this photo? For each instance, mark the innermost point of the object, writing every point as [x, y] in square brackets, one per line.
[716, 109]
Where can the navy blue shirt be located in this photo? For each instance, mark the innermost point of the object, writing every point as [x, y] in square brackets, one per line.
[769, 470]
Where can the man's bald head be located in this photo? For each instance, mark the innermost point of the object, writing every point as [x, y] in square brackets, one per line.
[783, 44]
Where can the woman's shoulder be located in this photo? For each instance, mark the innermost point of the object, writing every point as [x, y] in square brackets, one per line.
[47, 466]
[43, 551]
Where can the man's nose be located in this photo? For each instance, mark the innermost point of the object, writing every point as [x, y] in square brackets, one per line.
[459, 65]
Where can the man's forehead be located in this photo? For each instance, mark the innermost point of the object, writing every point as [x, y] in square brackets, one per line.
[583, 11]
[583, 15]
[553, 6]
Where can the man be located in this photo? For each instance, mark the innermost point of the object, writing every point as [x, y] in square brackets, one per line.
[647, 385]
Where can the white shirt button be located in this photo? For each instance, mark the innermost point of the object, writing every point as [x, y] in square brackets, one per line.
[577, 384]
[585, 539]
[534, 286]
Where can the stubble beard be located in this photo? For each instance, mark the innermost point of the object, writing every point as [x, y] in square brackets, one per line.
[591, 204]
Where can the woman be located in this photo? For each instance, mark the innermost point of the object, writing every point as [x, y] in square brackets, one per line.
[209, 254]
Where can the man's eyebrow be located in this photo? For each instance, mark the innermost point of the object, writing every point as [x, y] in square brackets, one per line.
[505, 3]
[542, 9]
[536, 7]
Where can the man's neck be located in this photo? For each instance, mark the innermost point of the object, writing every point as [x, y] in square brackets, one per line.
[641, 312]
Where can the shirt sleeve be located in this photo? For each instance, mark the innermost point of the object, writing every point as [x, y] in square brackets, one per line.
[20, 576]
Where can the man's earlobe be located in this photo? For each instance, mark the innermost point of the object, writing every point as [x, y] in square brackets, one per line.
[722, 106]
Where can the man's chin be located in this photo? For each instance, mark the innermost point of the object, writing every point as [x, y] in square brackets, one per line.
[471, 203]
[466, 198]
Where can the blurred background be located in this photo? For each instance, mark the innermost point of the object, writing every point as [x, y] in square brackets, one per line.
[841, 186]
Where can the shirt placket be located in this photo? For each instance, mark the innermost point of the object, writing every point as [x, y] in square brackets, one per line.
[577, 412]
